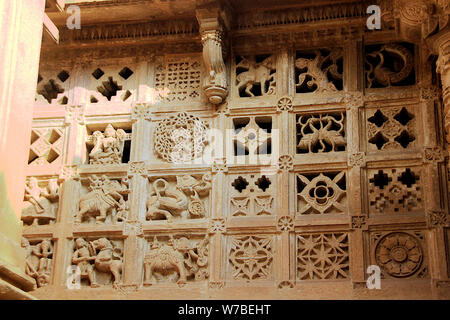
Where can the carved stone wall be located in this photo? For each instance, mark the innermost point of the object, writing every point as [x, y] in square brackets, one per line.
[326, 156]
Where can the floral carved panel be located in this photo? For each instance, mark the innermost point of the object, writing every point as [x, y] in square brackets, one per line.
[251, 257]
[323, 256]
[321, 193]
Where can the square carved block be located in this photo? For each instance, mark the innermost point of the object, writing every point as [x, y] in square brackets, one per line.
[399, 254]
[252, 194]
[395, 190]
[322, 256]
[176, 258]
[46, 146]
[321, 193]
[393, 128]
[250, 257]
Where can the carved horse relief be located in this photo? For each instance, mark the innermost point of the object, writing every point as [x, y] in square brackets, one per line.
[108, 259]
[259, 73]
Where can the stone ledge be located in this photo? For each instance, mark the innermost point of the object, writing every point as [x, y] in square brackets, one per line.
[15, 277]
[10, 292]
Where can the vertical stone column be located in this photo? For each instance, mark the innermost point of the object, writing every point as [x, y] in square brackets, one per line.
[438, 218]
[353, 62]
[134, 243]
[21, 35]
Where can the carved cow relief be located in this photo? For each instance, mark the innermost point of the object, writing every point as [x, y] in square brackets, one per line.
[395, 190]
[321, 193]
[99, 261]
[393, 128]
[53, 86]
[319, 71]
[256, 75]
[178, 258]
[389, 65]
[252, 195]
[109, 146]
[41, 201]
[318, 133]
[115, 83]
[39, 257]
[46, 146]
[178, 197]
[103, 200]
[251, 257]
[399, 254]
[181, 75]
[323, 256]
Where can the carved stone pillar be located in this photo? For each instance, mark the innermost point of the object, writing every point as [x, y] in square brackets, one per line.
[21, 36]
[212, 31]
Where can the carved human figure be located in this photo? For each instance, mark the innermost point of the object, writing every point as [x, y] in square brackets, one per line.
[39, 202]
[38, 261]
[108, 146]
[82, 257]
[106, 196]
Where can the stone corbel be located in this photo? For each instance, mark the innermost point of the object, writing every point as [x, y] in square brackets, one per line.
[212, 32]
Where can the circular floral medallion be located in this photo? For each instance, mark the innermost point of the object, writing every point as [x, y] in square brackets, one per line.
[399, 254]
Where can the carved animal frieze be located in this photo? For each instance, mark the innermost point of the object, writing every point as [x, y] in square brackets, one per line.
[177, 259]
[98, 260]
[321, 133]
[256, 76]
[389, 65]
[40, 202]
[107, 199]
[185, 198]
[319, 72]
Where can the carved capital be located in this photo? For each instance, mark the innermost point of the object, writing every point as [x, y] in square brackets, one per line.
[433, 154]
[358, 222]
[285, 104]
[133, 228]
[437, 218]
[285, 162]
[74, 114]
[215, 83]
[137, 168]
[220, 166]
[430, 93]
[217, 226]
[354, 100]
[216, 284]
[286, 284]
[69, 172]
[140, 111]
[357, 159]
[285, 224]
